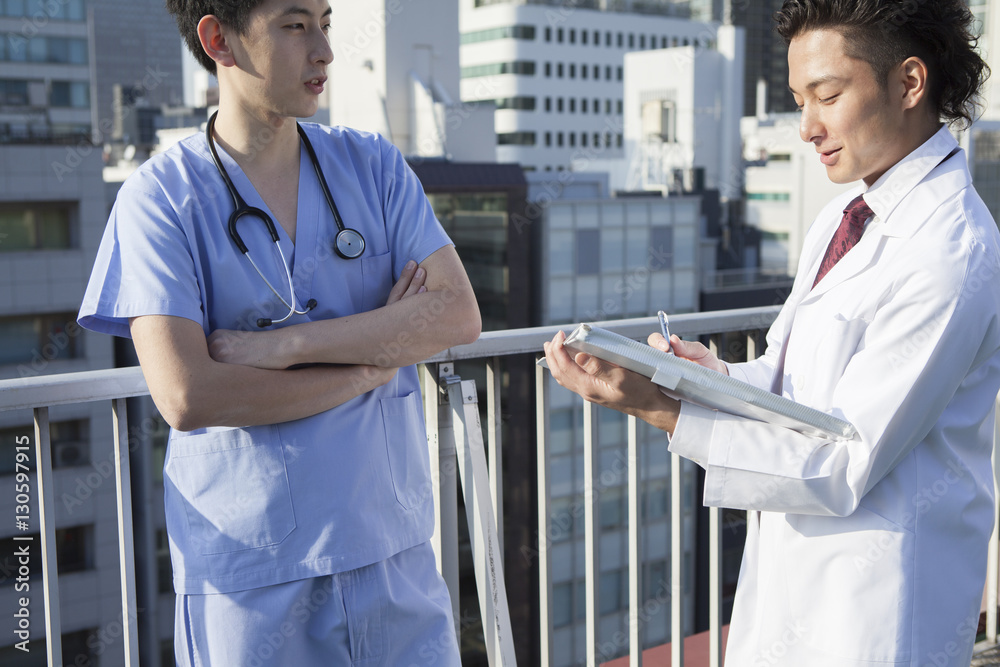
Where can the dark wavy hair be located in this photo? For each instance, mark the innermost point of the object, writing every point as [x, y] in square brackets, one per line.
[232, 13]
[884, 33]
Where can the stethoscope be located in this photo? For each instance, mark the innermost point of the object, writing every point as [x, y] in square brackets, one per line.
[349, 244]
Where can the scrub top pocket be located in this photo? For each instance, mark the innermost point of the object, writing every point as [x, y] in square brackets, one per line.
[406, 446]
[376, 273]
[234, 488]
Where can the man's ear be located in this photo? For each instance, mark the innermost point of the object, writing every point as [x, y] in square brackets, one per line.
[214, 41]
[912, 75]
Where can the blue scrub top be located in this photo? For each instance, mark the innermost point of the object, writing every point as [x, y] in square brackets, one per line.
[256, 506]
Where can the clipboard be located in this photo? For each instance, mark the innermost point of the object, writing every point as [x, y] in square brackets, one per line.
[687, 380]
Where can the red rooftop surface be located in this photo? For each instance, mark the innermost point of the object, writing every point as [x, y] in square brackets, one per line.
[696, 651]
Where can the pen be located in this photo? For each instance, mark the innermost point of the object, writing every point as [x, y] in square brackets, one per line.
[665, 329]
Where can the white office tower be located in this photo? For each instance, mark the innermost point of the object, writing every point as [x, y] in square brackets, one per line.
[556, 73]
[786, 186]
[396, 72]
[682, 116]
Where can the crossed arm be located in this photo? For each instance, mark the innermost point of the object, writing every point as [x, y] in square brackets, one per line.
[239, 378]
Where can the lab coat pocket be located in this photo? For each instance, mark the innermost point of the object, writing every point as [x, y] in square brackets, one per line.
[234, 488]
[406, 446]
[859, 566]
[829, 348]
[376, 276]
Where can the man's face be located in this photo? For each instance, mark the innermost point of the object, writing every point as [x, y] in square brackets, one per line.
[851, 118]
[283, 56]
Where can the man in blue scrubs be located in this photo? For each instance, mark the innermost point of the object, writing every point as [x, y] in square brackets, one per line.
[298, 502]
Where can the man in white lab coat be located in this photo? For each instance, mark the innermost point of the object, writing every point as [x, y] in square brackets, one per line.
[870, 551]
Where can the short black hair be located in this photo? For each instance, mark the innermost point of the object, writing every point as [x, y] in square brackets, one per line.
[884, 33]
[188, 13]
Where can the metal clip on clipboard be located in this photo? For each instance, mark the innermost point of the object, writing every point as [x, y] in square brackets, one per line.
[687, 380]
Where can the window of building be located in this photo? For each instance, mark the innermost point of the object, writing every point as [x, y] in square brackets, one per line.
[584, 36]
[522, 67]
[559, 70]
[69, 440]
[583, 139]
[652, 41]
[674, 41]
[620, 40]
[642, 41]
[548, 104]
[548, 138]
[572, 35]
[572, 139]
[74, 552]
[661, 242]
[518, 103]
[523, 32]
[597, 105]
[597, 139]
[607, 106]
[548, 34]
[562, 605]
[559, 139]
[588, 250]
[619, 106]
[30, 226]
[36, 340]
[572, 105]
[769, 196]
[572, 70]
[620, 140]
[548, 69]
[73, 94]
[597, 72]
[597, 38]
[559, 105]
[583, 71]
[583, 105]
[607, 38]
[686, 42]
[559, 35]
[516, 139]
[613, 594]
[64, 10]
[607, 72]
[663, 42]
[621, 73]
[13, 92]
[631, 40]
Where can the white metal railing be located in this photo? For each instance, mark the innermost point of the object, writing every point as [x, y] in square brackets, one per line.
[454, 434]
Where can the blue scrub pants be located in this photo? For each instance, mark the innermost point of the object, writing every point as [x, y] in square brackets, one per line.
[396, 612]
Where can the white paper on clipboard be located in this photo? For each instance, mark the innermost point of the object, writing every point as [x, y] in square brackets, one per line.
[687, 380]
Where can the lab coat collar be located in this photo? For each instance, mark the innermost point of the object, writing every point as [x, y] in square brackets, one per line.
[899, 181]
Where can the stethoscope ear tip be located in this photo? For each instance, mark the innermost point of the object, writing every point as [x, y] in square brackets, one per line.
[263, 323]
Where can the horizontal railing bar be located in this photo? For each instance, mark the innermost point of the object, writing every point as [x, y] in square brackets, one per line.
[524, 341]
[69, 388]
[109, 384]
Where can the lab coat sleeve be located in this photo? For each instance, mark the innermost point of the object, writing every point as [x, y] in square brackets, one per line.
[927, 335]
[144, 264]
[412, 230]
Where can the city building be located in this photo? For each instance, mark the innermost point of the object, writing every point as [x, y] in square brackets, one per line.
[52, 216]
[395, 72]
[555, 72]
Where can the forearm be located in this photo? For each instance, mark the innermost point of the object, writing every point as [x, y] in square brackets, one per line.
[399, 334]
[234, 395]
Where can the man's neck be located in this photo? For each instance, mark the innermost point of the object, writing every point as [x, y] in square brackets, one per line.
[257, 145]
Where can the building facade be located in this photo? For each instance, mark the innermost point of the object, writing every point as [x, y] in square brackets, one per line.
[555, 73]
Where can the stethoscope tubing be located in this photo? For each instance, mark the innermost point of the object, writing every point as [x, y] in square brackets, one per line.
[349, 243]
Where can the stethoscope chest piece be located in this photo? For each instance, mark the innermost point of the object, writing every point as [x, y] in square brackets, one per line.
[349, 244]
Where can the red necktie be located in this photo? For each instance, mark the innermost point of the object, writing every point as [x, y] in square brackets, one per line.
[852, 226]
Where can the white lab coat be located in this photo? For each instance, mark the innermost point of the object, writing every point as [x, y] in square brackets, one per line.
[871, 551]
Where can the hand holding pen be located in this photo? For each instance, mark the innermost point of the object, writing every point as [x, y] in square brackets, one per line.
[665, 330]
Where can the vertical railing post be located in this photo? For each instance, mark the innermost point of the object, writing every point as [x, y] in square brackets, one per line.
[126, 547]
[714, 571]
[591, 548]
[993, 558]
[47, 517]
[676, 562]
[445, 538]
[634, 547]
[495, 440]
[544, 562]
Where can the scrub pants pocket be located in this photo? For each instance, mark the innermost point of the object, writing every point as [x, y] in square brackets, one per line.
[234, 488]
